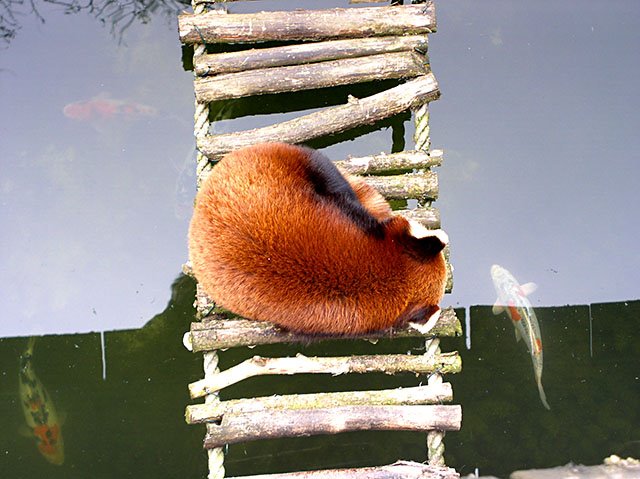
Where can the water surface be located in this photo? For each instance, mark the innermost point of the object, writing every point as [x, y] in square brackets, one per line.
[538, 119]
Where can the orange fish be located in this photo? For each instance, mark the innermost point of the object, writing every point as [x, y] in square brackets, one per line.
[102, 107]
[39, 411]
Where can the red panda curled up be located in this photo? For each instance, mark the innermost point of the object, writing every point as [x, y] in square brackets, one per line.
[279, 234]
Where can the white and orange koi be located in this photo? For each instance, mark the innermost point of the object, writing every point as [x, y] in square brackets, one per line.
[39, 412]
[512, 298]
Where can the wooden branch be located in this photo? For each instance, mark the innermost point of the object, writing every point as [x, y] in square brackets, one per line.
[210, 412]
[307, 422]
[448, 287]
[216, 333]
[426, 216]
[346, 71]
[398, 470]
[404, 160]
[255, 58]
[388, 364]
[330, 120]
[307, 24]
[422, 185]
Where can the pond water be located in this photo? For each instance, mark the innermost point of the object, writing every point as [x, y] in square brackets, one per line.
[538, 119]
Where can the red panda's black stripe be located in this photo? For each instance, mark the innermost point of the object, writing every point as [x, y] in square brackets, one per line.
[329, 183]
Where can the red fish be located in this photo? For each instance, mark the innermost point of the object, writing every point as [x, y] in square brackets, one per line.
[102, 107]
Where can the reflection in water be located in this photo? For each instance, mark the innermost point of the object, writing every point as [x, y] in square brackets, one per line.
[185, 181]
[39, 411]
[120, 15]
[512, 298]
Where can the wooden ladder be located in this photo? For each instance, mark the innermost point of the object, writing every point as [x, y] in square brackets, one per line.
[339, 46]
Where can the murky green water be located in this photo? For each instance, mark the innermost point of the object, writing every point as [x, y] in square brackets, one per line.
[124, 403]
[538, 120]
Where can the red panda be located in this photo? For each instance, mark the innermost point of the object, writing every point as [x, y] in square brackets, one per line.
[279, 234]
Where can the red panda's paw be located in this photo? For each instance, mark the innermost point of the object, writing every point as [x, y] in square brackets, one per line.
[427, 326]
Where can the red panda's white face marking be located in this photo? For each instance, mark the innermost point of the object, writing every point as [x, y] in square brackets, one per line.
[418, 231]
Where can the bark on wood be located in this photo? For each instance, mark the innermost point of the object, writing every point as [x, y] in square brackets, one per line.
[307, 24]
[217, 333]
[388, 66]
[331, 120]
[256, 58]
[389, 364]
[308, 422]
[402, 161]
[434, 394]
[448, 287]
[398, 470]
[422, 186]
[426, 216]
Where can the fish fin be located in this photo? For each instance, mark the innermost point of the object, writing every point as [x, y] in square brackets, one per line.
[62, 417]
[528, 288]
[24, 431]
[518, 335]
[497, 307]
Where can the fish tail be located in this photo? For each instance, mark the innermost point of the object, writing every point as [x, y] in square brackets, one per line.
[543, 396]
[30, 345]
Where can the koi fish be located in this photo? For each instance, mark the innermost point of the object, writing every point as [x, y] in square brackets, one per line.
[512, 298]
[102, 107]
[39, 411]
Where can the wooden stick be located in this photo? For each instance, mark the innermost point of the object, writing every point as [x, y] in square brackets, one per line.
[388, 364]
[332, 73]
[306, 422]
[426, 216]
[215, 332]
[402, 161]
[331, 120]
[434, 394]
[307, 24]
[422, 185]
[398, 470]
[255, 58]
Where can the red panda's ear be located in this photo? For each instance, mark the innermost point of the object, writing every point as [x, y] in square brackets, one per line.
[418, 240]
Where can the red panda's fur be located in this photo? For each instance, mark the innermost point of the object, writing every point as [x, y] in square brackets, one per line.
[267, 242]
